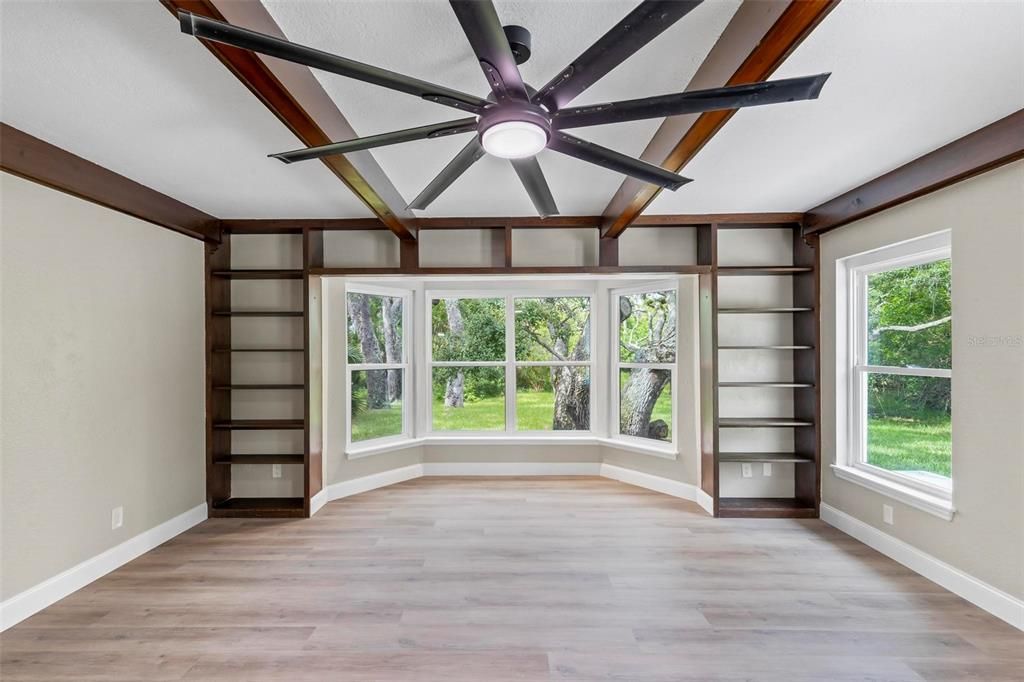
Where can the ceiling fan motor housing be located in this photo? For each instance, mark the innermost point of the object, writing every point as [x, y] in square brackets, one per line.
[520, 41]
[515, 110]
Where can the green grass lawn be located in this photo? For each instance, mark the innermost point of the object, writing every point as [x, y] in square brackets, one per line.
[534, 412]
[900, 444]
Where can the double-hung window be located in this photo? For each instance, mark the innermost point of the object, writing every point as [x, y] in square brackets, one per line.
[644, 361]
[899, 371]
[510, 363]
[378, 365]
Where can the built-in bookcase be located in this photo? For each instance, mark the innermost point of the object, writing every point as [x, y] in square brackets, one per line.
[257, 380]
[766, 401]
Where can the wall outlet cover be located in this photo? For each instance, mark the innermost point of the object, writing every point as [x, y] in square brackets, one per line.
[275, 470]
[767, 469]
[747, 470]
[887, 513]
[116, 518]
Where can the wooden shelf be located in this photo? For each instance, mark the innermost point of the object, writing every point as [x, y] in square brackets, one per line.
[259, 350]
[761, 422]
[765, 457]
[762, 384]
[260, 459]
[267, 507]
[761, 311]
[260, 424]
[766, 348]
[258, 313]
[258, 274]
[747, 270]
[260, 387]
[764, 507]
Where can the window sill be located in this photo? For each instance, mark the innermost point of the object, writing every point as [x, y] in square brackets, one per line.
[391, 446]
[932, 504]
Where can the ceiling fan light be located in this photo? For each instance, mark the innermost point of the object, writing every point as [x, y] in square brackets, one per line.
[514, 139]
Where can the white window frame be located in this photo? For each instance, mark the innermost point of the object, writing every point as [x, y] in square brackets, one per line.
[408, 389]
[510, 363]
[668, 448]
[852, 364]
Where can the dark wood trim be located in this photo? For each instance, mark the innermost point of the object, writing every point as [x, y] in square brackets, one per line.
[218, 372]
[39, 161]
[794, 24]
[507, 259]
[296, 225]
[261, 81]
[518, 270]
[707, 255]
[994, 145]
[608, 252]
[409, 255]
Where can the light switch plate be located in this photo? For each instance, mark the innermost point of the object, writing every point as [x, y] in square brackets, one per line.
[887, 513]
[275, 471]
[767, 469]
[747, 470]
[116, 518]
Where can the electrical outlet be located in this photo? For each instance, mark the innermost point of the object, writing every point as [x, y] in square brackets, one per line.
[116, 518]
[275, 470]
[747, 470]
[767, 469]
[887, 514]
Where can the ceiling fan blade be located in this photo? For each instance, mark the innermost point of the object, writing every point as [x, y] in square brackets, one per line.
[696, 101]
[636, 29]
[613, 160]
[221, 32]
[536, 185]
[480, 22]
[464, 125]
[469, 155]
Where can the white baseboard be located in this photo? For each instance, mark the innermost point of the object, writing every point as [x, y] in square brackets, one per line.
[36, 598]
[706, 502]
[317, 501]
[511, 468]
[337, 491]
[667, 486]
[981, 594]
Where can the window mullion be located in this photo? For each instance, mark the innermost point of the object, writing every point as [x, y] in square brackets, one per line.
[510, 364]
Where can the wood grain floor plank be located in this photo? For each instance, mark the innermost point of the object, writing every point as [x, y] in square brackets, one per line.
[488, 580]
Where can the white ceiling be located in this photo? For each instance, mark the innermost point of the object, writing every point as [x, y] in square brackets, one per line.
[118, 84]
[907, 78]
[424, 39]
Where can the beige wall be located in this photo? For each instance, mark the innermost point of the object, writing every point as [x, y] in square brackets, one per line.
[102, 328]
[986, 216]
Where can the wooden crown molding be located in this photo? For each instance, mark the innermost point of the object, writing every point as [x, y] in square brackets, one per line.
[262, 81]
[994, 145]
[766, 33]
[39, 161]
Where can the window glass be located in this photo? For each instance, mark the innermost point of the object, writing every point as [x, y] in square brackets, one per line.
[909, 425]
[468, 398]
[645, 403]
[647, 327]
[468, 329]
[374, 329]
[376, 403]
[553, 328]
[909, 316]
[554, 398]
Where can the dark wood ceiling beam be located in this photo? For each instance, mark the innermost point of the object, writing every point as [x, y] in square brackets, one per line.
[39, 161]
[760, 36]
[994, 145]
[283, 225]
[268, 83]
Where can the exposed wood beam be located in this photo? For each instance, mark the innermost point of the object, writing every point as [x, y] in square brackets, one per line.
[270, 80]
[759, 38]
[39, 161]
[280, 225]
[994, 145]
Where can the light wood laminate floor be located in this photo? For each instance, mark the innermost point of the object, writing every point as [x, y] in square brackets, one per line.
[487, 580]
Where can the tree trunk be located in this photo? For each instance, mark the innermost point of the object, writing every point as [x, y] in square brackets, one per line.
[391, 312]
[454, 391]
[639, 395]
[376, 384]
[572, 386]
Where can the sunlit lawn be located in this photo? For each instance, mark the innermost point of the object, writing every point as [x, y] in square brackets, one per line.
[900, 444]
[534, 412]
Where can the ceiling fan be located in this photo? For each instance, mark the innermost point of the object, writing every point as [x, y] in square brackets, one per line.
[515, 121]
